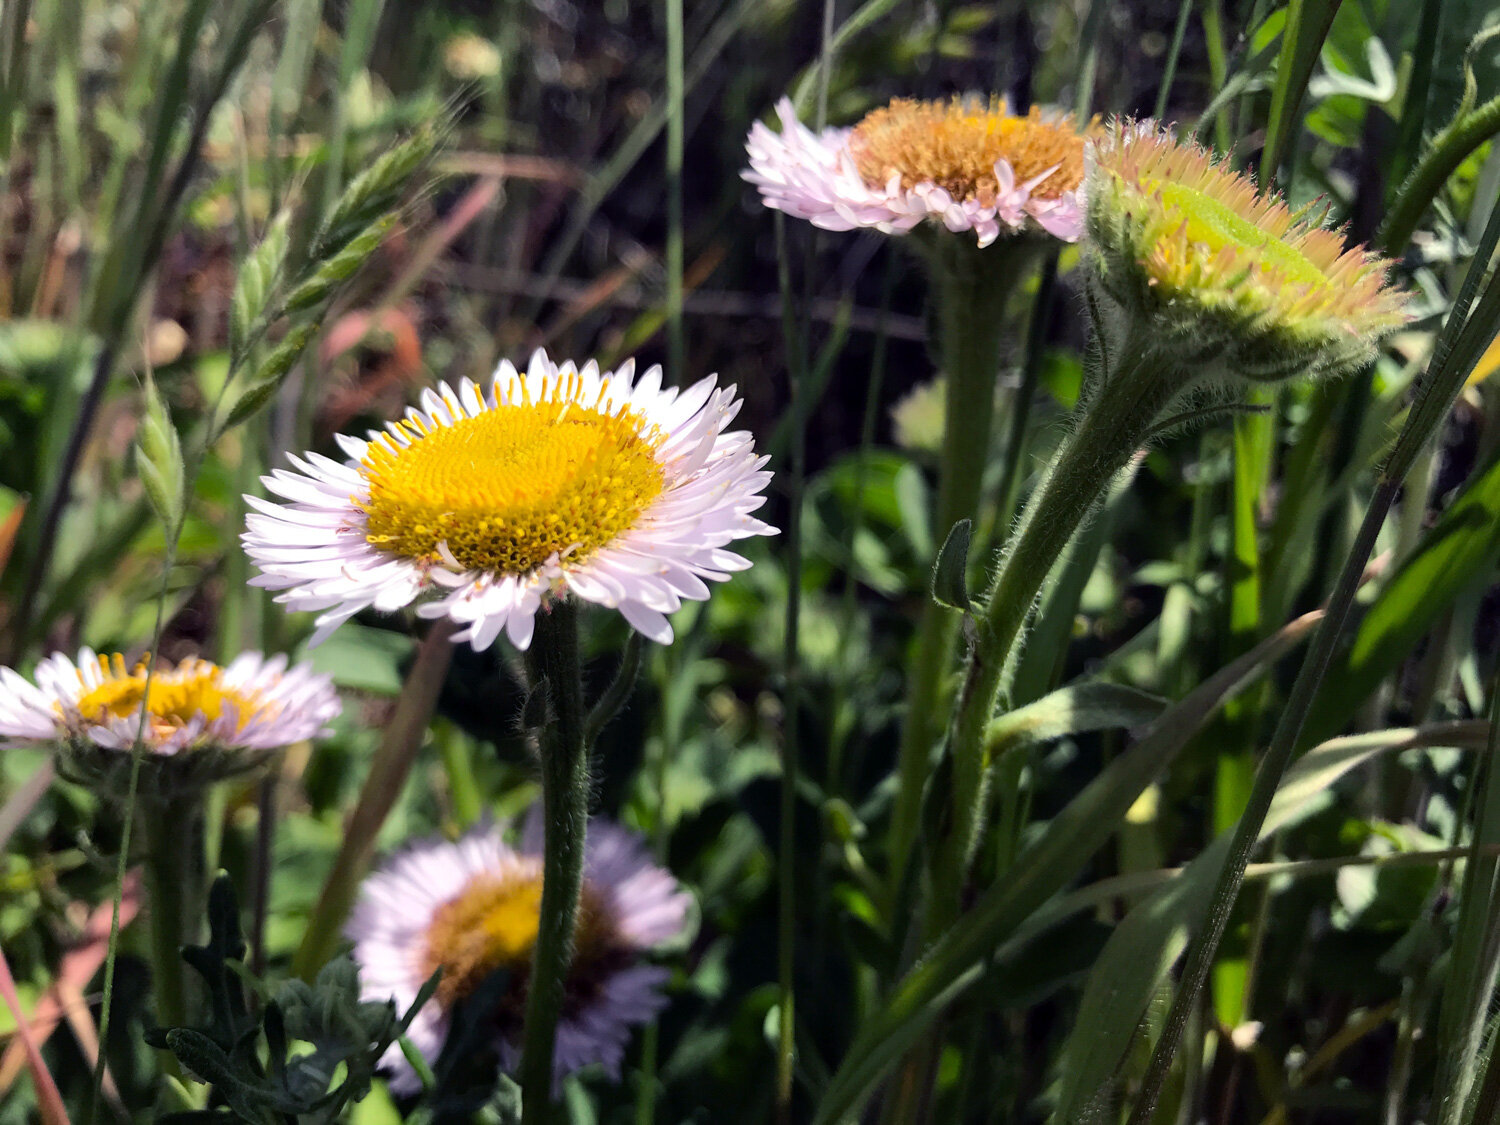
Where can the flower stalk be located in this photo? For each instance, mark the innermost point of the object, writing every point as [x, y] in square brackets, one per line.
[175, 884]
[972, 288]
[553, 660]
[1115, 421]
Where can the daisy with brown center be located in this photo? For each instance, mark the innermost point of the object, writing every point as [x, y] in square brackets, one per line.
[1180, 240]
[196, 720]
[559, 481]
[472, 907]
[969, 164]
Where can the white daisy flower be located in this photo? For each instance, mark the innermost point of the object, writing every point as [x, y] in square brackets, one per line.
[470, 907]
[561, 480]
[202, 721]
[971, 165]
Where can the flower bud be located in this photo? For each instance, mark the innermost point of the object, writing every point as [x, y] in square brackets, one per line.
[1182, 247]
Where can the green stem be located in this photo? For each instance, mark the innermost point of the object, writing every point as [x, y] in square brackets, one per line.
[175, 880]
[1113, 425]
[676, 353]
[1448, 150]
[971, 287]
[554, 660]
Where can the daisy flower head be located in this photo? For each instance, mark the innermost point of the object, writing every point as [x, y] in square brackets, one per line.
[559, 481]
[1179, 240]
[198, 722]
[969, 164]
[471, 908]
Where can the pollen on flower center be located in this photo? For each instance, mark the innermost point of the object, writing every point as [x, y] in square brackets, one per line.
[175, 697]
[955, 144]
[492, 924]
[510, 487]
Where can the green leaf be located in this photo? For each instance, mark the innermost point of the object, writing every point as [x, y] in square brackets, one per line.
[1070, 710]
[1140, 953]
[1307, 24]
[1460, 551]
[957, 959]
[950, 585]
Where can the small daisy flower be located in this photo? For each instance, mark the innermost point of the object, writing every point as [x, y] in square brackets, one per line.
[202, 722]
[968, 164]
[471, 907]
[1183, 240]
[560, 481]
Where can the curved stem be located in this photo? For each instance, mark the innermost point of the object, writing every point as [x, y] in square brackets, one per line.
[1448, 150]
[971, 290]
[554, 659]
[1112, 427]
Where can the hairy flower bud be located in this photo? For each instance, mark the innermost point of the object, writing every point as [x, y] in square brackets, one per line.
[1226, 277]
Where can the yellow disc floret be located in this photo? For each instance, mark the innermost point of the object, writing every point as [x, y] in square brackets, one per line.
[955, 144]
[175, 697]
[510, 487]
[492, 924]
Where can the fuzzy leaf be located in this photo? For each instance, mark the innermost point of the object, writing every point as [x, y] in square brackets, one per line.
[1074, 709]
[950, 585]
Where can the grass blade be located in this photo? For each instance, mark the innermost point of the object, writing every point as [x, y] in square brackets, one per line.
[957, 960]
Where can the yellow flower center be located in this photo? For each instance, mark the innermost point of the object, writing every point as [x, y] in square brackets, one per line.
[510, 487]
[1213, 226]
[194, 689]
[492, 924]
[955, 145]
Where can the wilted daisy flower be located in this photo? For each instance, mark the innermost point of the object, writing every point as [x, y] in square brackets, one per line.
[1183, 241]
[202, 722]
[558, 481]
[471, 908]
[969, 164]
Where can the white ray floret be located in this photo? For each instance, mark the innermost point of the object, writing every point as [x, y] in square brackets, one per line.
[253, 704]
[814, 176]
[316, 546]
[392, 923]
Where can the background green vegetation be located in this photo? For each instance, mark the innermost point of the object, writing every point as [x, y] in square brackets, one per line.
[586, 197]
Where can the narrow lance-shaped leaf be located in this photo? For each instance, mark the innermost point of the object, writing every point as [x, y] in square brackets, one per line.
[1071, 710]
[950, 585]
[1141, 952]
[957, 959]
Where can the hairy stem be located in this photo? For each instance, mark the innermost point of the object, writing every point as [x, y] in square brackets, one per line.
[971, 290]
[554, 661]
[175, 882]
[1113, 425]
